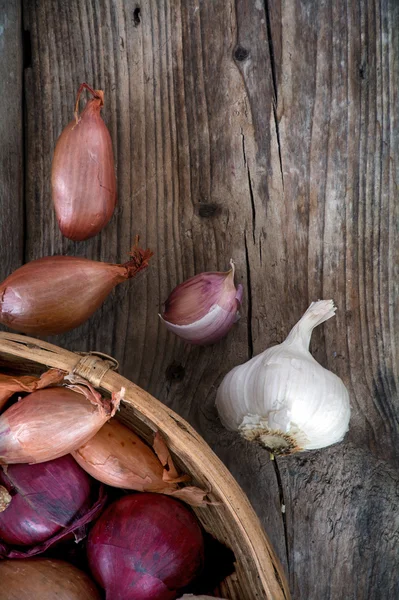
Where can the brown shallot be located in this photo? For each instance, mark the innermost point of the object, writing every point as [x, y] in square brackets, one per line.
[118, 457]
[83, 172]
[10, 384]
[44, 579]
[52, 422]
[57, 293]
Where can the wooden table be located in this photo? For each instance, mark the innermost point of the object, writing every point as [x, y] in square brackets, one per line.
[262, 131]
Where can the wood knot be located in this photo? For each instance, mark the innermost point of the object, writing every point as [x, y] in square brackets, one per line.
[241, 53]
[206, 210]
[136, 16]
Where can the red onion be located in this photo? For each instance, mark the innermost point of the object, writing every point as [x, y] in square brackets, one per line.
[145, 547]
[57, 293]
[44, 579]
[83, 173]
[48, 502]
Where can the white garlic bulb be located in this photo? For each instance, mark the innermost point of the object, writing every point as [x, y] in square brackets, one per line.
[283, 398]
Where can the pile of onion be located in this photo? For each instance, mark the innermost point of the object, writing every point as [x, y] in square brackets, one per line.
[46, 503]
[145, 547]
[44, 579]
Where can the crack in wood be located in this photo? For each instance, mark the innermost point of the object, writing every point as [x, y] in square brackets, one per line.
[283, 508]
[251, 192]
[275, 84]
[249, 318]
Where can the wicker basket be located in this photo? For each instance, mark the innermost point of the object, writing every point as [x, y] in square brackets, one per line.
[258, 574]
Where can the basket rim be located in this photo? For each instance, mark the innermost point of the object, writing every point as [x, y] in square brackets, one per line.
[182, 439]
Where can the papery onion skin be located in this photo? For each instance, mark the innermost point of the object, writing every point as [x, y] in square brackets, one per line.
[145, 547]
[50, 423]
[44, 579]
[46, 497]
[9, 384]
[5, 499]
[202, 309]
[54, 294]
[83, 173]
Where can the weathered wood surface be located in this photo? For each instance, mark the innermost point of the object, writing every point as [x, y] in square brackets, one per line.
[267, 132]
[11, 143]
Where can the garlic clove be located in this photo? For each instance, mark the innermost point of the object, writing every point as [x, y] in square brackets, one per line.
[203, 309]
[283, 398]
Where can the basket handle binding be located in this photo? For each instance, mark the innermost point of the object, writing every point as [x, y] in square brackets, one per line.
[94, 365]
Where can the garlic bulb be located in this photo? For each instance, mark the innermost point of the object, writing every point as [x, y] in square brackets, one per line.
[203, 309]
[283, 398]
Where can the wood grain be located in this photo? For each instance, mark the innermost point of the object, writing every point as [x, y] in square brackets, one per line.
[266, 132]
[11, 147]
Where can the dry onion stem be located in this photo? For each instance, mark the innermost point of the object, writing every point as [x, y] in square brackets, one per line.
[10, 385]
[52, 422]
[118, 457]
[5, 498]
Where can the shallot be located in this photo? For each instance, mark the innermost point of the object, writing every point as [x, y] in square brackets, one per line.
[44, 579]
[52, 422]
[57, 293]
[83, 172]
[118, 457]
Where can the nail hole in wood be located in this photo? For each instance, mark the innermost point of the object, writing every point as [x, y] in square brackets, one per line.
[136, 16]
[241, 53]
[363, 71]
[175, 372]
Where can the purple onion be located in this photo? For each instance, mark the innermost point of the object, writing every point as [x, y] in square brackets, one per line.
[49, 501]
[145, 547]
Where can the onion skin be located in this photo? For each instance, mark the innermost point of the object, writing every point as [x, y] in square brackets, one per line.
[54, 294]
[9, 384]
[44, 579]
[145, 547]
[5, 499]
[46, 498]
[83, 173]
[52, 422]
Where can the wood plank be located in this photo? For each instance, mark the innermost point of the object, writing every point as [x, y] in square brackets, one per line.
[11, 147]
[337, 109]
[265, 132]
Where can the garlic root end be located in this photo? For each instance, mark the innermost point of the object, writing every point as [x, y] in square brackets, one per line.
[277, 442]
